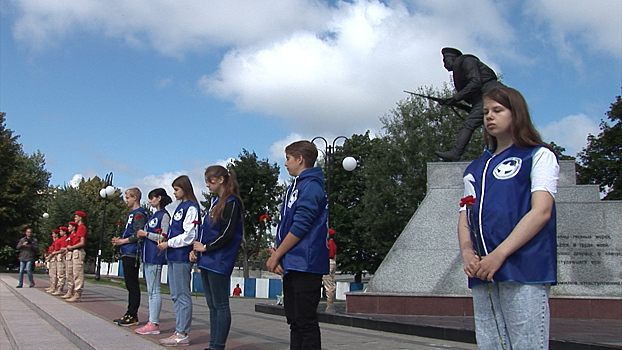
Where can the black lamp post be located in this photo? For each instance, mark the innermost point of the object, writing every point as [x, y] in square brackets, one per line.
[348, 163]
[105, 192]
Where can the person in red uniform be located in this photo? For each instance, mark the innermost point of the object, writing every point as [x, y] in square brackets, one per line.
[52, 261]
[71, 229]
[76, 247]
[60, 246]
[329, 280]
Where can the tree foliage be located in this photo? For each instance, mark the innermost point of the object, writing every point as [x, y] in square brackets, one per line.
[559, 150]
[601, 160]
[23, 191]
[261, 194]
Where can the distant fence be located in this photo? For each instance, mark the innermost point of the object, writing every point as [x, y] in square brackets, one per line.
[251, 287]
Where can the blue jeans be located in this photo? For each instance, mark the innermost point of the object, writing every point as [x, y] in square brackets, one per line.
[216, 287]
[153, 275]
[179, 284]
[522, 315]
[25, 266]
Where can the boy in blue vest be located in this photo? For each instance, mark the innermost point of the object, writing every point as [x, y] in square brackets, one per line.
[130, 255]
[302, 254]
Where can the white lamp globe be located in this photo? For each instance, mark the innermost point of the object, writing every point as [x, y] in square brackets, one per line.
[349, 163]
[102, 193]
[45, 215]
[110, 190]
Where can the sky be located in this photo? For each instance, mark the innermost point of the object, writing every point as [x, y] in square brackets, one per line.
[154, 89]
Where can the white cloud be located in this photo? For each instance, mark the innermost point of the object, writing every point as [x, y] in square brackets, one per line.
[167, 25]
[340, 80]
[162, 83]
[322, 68]
[75, 180]
[570, 132]
[594, 24]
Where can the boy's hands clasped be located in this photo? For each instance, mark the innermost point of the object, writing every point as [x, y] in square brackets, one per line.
[274, 264]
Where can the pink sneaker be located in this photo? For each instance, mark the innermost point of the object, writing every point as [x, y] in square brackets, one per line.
[149, 328]
[175, 340]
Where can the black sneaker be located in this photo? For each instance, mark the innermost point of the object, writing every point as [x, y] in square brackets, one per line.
[120, 319]
[128, 321]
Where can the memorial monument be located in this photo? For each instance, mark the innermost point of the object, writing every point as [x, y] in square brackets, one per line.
[422, 274]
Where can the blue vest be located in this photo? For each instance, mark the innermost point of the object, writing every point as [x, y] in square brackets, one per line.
[222, 260]
[130, 230]
[151, 254]
[502, 186]
[177, 227]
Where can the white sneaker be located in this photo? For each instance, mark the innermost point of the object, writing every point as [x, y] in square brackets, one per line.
[175, 340]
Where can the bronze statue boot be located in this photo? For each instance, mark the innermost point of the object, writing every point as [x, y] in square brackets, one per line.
[454, 155]
[449, 156]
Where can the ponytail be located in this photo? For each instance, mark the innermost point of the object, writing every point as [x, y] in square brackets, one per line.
[230, 186]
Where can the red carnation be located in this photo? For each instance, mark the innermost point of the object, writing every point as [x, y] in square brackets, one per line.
[158, 230]
[118, 224]
[196, 222]
[331, 232]
[139, 216]
[164, 235]
[264, 218]
[468, 200]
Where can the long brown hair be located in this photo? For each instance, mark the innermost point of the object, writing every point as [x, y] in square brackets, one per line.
[524, 134]
[230, 186]
[184, 183]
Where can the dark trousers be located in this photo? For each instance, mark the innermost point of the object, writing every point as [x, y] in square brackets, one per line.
[130, 273]
[301, 296]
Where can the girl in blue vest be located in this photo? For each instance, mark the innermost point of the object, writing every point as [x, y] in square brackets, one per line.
[508, 233]
[181, 233]
[217, 249]
[156, 231]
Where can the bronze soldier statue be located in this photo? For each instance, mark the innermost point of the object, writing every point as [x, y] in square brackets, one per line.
[472, 79]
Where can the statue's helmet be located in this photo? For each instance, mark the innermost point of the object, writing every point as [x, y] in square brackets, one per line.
[451, 51]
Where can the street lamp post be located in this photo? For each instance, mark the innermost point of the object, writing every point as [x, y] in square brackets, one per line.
[105, 192]
[348, 163]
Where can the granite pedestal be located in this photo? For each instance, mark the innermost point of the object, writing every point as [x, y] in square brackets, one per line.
[422, 274]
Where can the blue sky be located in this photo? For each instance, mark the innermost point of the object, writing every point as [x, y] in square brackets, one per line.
[154, 89]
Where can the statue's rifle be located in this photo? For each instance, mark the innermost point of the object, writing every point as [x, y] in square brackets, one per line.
[441, 101]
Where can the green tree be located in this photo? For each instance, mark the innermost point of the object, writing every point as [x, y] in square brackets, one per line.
[601, 160]
[23, 190]
[261, 194]
[559, 150]
[357, 245]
